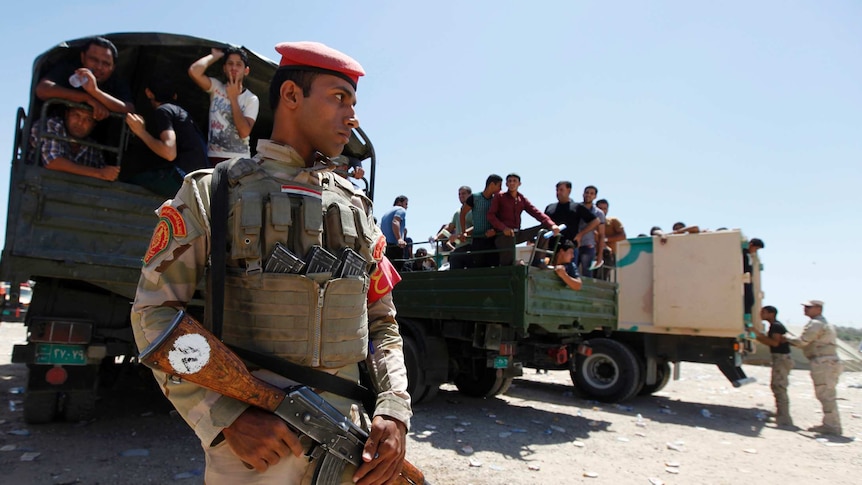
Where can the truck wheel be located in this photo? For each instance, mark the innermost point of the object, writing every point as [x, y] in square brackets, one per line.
[40, 406]
[662, 377]
[487, 383]
[415, 374]
[79, 405]
[612, 373]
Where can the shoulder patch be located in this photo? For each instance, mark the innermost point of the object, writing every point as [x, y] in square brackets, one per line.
[379, 248]
[171, 225]
[159, 242]
[174, 220]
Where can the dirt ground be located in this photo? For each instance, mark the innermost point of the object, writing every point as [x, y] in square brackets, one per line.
[698, 430]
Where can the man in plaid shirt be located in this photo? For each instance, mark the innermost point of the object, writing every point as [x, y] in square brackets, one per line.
[68, 156]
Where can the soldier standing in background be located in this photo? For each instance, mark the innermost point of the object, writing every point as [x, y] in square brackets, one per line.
[818, 342]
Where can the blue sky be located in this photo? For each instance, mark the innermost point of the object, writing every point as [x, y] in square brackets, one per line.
[736, 114]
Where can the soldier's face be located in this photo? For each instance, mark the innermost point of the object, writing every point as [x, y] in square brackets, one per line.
[99, 60]
[812, 311]
[327, 115]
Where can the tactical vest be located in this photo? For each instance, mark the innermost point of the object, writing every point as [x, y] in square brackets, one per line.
[320, 323]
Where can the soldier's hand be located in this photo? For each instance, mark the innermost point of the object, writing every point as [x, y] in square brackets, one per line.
[217, 53]
[383, 455]
[261, 439]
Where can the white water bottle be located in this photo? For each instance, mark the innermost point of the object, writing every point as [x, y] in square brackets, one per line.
[77, 80]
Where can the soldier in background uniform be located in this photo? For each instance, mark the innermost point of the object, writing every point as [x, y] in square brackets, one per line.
[329, 325]
[818, 342]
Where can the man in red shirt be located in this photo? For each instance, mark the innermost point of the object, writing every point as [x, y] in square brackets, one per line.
[505, 216]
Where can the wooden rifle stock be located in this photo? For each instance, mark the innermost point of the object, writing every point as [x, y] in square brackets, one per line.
[187, 350]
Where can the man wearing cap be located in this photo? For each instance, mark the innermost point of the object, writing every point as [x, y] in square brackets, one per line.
[818, 343]
[287, 194]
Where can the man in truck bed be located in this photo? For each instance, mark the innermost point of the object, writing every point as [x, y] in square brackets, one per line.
[68, 156]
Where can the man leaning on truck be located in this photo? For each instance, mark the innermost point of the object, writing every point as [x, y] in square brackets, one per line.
[65, 155]
[313, 321]
[94, 76]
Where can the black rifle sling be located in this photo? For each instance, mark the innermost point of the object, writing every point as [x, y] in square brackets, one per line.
[218, 251]
[317, 380]
[218, 258]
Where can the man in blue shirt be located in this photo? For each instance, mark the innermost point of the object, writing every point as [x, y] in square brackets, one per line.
[394, 227]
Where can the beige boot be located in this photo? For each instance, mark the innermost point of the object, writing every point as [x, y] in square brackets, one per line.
[824, 429]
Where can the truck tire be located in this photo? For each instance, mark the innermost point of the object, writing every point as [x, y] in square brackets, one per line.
[611, 373]
[416, 386]
[79, 405]
[487, 383]
[40, 406]
[662, 377]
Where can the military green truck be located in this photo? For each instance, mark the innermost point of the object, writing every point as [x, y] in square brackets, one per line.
[674, 300]
[82, 239]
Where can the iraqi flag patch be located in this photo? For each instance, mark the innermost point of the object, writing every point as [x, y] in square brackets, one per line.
[301, 190]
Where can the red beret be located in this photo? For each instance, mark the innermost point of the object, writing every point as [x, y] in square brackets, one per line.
[318, 57]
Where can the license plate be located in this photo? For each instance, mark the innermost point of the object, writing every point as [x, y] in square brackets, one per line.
[501, 362]
[61, 354]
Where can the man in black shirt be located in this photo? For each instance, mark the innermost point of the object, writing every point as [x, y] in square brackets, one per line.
[571, 213]
[172, 137]
[96, 84]
[781, 363]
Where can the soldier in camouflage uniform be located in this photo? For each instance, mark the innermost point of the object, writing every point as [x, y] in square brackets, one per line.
[330, 325]
[818, 342]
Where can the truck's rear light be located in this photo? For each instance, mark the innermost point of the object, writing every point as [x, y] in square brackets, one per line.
[56, 375]
[57, 331]
[585, 350]
[507, 349]
[560, 355]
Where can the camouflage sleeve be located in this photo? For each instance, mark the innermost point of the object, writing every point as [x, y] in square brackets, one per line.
[386, 355]
[386, 361]
[810, 333]
[172, 267]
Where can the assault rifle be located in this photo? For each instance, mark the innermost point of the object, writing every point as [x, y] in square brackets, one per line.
[187, 350]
